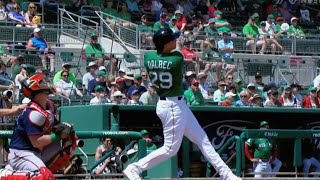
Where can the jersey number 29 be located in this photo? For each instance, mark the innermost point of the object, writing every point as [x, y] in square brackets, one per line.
[165, 79]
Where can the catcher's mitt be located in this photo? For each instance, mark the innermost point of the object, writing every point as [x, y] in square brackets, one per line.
[65, 128]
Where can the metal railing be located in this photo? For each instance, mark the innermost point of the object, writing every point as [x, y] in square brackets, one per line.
[75, 26]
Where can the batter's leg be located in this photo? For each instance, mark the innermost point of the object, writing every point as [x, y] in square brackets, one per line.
[173, 123]
[197, 135]
[24, 160]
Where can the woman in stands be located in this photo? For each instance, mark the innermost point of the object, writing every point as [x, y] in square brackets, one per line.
[30, 15]
[15, 15]
[66, 87]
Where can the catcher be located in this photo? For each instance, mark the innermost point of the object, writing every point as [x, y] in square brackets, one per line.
[40, 144]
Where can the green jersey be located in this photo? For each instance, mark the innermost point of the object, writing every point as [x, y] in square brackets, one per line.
[165, 72]
[262, 147]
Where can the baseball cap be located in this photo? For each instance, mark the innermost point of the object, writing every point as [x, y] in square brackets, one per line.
[163, 15]
[102, 68]
[274, 92]
[129, 76]
[137, 76]
[66, 65]
[117, 93]
[91, 64]
[256, 96]
[263, 23]
[99, 88]
[312, 88]
[101, 73]
[122, 70]
[36, 30]
[135, 92]
[293, 18]
[143, 132]
[92, 34]
[279, 18]
[195, 82]
[255, 15]
[151, 85]
[189, 73]
[262, 123]
[270, 16]
[238, 81]
[217, 12]
[222, 83]
[174, 18]
[287, 87]
[211, 20]
[251, 85]
[258, 75]
[23, 66]
[177, 12]
[229, 94]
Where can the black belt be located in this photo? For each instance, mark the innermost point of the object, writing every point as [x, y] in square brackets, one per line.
[165, 98]
[265, 160]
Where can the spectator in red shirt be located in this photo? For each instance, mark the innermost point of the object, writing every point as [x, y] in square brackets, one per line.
[181, 20]
[229, 99]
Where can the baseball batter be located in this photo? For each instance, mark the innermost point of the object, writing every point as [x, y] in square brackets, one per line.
[165, 69]
[262, 152]
[33, 142]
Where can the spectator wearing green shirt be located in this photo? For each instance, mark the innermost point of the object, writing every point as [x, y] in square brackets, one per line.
[150, 145]
[295, 29]
[111, 13]
[211, 33]
[193, 95]
[164, 22]
[221, 24]
[95, 52]
[15, 66]
[125, 15]
[251, 33]
[65, 67]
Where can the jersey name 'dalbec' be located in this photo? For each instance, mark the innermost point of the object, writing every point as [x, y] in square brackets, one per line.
[165, 72]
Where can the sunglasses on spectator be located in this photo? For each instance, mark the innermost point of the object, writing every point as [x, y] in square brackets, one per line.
[243, 96]
[32, 7]
[65, 75]
[143, 75]
[118, 96]
[230, 78]
[16, 8]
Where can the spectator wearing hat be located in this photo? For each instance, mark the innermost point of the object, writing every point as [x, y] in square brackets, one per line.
[181, 20]
[218, 95]
[128, 82]
[256, 101]
[258, 84]
[146, 135]
[229, 99]
[193, 95]
[204, 85]
[295, 29]
[99, 80]
[211, 33]
[37, 42]
[65, 67]
[164, 22]
[251, 33]
[118, 98]
[95, 52]
[100, 97]
[188, 77]
[221, 24]
[279, 21]
[65, 87]
[91, 69]
[286, 98]
[135, 96]
[238, 84]
[311, 101]
[137, 86]
[150, 97]
[251, 89]
[296, 94]
[117, 85]
[273, 101]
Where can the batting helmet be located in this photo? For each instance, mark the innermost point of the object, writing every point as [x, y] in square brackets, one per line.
[36, 84]
[164, 36]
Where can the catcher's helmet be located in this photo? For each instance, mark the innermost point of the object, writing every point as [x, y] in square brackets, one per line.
[164, 36]
[36, 84]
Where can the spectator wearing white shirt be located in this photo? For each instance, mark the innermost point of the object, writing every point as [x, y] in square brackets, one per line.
[91, 68]
[150, 97]
[65, 87]
[204, 85]
[218, 95]
[100, 97]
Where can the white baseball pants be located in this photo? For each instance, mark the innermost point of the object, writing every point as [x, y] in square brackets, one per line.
[177, 121]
